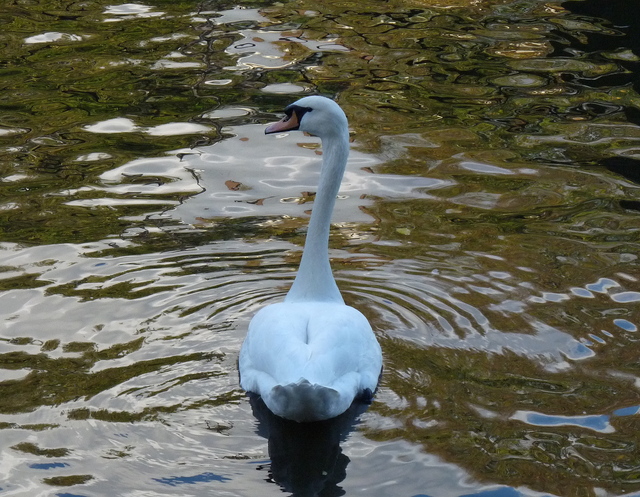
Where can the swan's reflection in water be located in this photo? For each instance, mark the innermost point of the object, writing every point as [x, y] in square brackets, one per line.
[306, 458]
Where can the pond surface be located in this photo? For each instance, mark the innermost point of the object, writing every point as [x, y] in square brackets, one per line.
[487, 226]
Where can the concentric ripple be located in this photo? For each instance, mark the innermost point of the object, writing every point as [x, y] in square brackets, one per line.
[434, 308]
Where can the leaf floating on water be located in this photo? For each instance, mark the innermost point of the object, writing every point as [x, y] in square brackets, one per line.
[307, 197]
[236, 185]
[403, 231]
[310, 146]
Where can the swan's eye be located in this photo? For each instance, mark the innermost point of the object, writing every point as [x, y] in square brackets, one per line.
[298, 110]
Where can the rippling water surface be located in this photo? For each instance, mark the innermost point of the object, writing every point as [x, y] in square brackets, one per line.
[487, 225]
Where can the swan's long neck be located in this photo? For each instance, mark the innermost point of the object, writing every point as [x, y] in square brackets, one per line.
[314, 281]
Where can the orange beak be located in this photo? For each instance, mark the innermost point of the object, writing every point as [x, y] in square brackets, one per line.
[287, 123]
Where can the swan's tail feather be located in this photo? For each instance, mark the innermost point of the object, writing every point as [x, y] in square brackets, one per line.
[366, 396]
[304, 401]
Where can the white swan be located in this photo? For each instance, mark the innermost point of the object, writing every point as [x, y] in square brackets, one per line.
[310, 356]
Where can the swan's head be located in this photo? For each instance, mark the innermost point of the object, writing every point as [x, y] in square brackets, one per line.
[319, 116]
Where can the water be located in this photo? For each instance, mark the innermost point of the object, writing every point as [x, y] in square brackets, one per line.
[487, 226]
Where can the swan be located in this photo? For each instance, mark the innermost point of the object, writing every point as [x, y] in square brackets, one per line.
[310, 356]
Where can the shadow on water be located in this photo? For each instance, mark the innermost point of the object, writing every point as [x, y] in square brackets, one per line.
[306, 458]
[622, 32]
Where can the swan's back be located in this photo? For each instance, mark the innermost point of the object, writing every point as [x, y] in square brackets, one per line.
[310, 356]
[309, 361]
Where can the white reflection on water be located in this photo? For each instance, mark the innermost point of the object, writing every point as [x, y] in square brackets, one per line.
[284, 88]
[479, 167]
[233, 181]
[227, 112]
[626, 297]
[93, 156]
[12, 131]
[264, 48]
[115, 125]
[125, 125]
[130, 11]
[236, 15]
[174, 64]
[288, 166]
[597, 422]
[625, 325]
[52, 37]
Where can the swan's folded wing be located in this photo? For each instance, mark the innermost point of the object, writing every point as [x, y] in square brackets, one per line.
[318, 342]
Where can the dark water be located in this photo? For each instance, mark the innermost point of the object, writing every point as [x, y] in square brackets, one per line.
[487, 225]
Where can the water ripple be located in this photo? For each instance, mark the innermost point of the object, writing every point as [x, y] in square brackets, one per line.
[487, 227]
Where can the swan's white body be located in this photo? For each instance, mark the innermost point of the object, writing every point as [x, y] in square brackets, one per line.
[310, 356]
